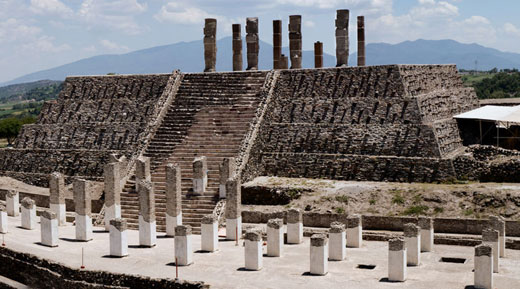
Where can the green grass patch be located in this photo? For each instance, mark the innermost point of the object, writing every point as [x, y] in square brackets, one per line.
[468, 212]
[340, 210]
[342, 199]
[398, 199]
[416, 210]
[438, 210]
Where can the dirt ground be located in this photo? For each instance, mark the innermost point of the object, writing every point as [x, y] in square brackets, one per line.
[469, 200]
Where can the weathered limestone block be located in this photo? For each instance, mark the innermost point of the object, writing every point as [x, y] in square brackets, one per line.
[183, 246]
[173, 198]
[342, 41]
[412, 237]
[112, 187]
[294, 226]
[28, 214]
[497, 223]
[233, 209]
[210, 44]
[318, 54]
[397, 260]
[57, 196]
[209, 233]
[354, 232]
[142, 170]
[275, 237]
[490, 238]
[12, 201]
[426, 225]
[361, 58]
[118, 238]
[3, 220]
[226, 171]
[147, 223]
[49, 229]
[277, 43]
[483, 276]
[319, 255]
[337, 242]
[295, 41]
[237, 47]
[253, 251]
[83, 205]
[252, 42]
[200, 175]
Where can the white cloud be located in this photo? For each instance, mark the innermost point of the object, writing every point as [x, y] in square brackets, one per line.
[112, 46]
[308, 23]
[113, 15]
[511, 29]
[45, 44]
[50, 7]
[13, 30]
[176, 12]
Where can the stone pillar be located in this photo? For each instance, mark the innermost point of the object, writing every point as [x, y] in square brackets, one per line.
[426, 225]
[253, 251]
[499, 224]
[142, 170]
[183, 247]
[118, 238]
[342, 43]
[318, 55]
[210, 44]
[173, 198]
[112, 187]
[295, 41]
[490, 238]
[361, 41]
[483, 276]
[337, 242]
[252, 42]
[354, 232]
[284, 62]
[294, 226]
[277, 43]
[200, 175]
[209, 233]
[237, 47]
[274, 237]
[83, 206]
[28, 214]
[12, 202]
[147, 224]
[57, 197]
[226, 171]
[233, 209]
[3, 220]
[412, 238]
[319, 255]
[397, 260]
[49, 229]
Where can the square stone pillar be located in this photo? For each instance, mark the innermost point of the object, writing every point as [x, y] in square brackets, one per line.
[3, 220]
[57, 197]
[318, 54]
[337, 242]
[426, 225]
[226, 171]
[147, 224]
[173, 198]
[112, 187]
[28, 214]
[490, 238]
[233, 209]
[319, 255]
[49, 229]
[361, 41]
[295, 41]
[294, 226]
[83, 205]
[354, 232]
[200, 175]
[210, 44]
[183, 246]
[497, 223]
[237, 47]
[12, 203]
[274, 237]
[252, 43]
[483, 276]
[397, 260]
[142, 170]
[412, 237]
[118, 238]
[277, 43]
[209, 233]
[253, 251]
[342, 41]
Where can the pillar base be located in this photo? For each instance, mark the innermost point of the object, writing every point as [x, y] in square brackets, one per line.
[209, 236]
[355, 237]
[233, 228]
[118, 242]
[483, 277]
[426, 240]
[495, 247]
[199, 185]
[183, 250]
[61, 213]
[49, 232]
[319, 260]
[29, 218]
[294, 233]
[83, 228]
[12, 206]
[413, 251]
[253, 255]
[112, 212]
[337, 246]
[3, 222]
[147, 233]
[274, 242]
[171, 223]
[222, 191]
[397, 265]
[502, 245]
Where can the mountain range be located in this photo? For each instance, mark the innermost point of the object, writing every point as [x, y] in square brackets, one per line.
[188, 57]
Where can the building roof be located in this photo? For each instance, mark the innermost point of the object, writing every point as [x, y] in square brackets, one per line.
[493, 113]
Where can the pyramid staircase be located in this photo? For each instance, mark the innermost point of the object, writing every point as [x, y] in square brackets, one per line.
[210, 116]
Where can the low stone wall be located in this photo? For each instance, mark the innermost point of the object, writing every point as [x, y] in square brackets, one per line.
[43, 201]
[488, 164]
[40, 273]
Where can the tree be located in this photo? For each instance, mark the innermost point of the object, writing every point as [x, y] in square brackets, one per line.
[9, 129]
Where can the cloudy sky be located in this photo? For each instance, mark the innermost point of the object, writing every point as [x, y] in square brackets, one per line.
[40, 34]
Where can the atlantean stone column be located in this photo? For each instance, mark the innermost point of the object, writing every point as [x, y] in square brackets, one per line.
[337, 242]
[28, 214]
[49, 229]
[342, 42]
[277, 43]
[118, 238]
[200, 175]
[397, 260]
[253, 251]
[83, 205]
[147, 224]
[354, 232]
[490, 238]
[274, 237]
[210, 44]
[226, 171]
[319, 255]
[284, 62]
[12, 202]
[209, 233]
[426, 225]
[318, 55]
[483, 276]
[295, 41]
[142, 170]
[361, 41]
[57, 197]
[173, 198]
[112, 187]
[252, 42]
[499, 224]
[233, 209]
[237, 47]
[3, 220]
[294, 226]
[183, 246]
[412, 238]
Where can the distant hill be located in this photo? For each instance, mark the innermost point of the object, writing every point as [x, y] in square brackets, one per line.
[22, 91]
[188, 57]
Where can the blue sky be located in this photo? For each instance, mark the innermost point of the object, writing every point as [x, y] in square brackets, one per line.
[40, 34]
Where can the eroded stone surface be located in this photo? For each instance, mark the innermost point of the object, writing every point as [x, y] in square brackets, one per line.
[294, 216]
[319, 240]
[425, 223]
[183, 230]
[82, 197]
[210, 44]
[342, 39]
[396, 244]
[56, 188]
[28, 203]
[483, 250]
[237, 47]
[173, 190]
[209, 219]
[275, 223]
[490, 235]
[254, 236]
[233, 202]
[252, 42]
[337, 227]
[411, 230]
[120, 224]
[48, 215]
[146, 200]
[295, 41]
